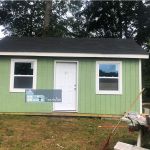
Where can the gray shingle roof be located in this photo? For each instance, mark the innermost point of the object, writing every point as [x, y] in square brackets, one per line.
[68, 45]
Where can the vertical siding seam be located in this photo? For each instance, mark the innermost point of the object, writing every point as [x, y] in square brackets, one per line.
[93, 89]
[133, 84]
[130, 67]
[136, 80]
[90, 89]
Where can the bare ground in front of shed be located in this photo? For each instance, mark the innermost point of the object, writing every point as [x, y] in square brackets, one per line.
[57, 133]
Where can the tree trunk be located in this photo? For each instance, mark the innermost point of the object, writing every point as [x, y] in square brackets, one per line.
[119, 15]
[47, 17]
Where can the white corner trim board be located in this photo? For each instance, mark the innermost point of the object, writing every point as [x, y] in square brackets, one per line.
[74, 55]
[140, 84]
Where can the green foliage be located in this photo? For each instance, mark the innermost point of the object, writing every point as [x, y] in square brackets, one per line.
[117, 19]
[26, 18]
[22, 18]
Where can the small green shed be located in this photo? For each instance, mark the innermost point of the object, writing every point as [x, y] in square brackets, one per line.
[97, 76]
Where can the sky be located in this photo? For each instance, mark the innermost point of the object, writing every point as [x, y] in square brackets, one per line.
[1, 33]
[108, 67]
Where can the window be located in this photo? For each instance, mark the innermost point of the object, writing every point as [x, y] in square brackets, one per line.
[23, 74]
[108, 77]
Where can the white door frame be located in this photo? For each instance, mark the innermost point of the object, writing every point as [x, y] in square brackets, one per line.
[77, 70]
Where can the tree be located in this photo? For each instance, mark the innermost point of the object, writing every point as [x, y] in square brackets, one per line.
[117, 19]
[27, 18]
[22, 18]
[140, 23]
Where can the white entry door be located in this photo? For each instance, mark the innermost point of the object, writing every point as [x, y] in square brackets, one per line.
[66, 79]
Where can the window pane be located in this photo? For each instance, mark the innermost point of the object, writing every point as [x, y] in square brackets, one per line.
[108, 70]
[23, 68]
[108, 84]
[23, 82]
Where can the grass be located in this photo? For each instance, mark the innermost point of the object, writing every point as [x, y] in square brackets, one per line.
[57, 133]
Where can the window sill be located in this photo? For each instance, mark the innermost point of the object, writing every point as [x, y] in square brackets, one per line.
[17, 90]
[109, 92]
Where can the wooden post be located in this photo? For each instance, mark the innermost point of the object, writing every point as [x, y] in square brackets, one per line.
[139, 139]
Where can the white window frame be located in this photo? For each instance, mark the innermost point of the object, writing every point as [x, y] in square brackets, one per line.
[119, 91]
[13, 61]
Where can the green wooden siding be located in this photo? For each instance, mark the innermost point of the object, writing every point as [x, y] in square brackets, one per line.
[88, 100]
[15, 102]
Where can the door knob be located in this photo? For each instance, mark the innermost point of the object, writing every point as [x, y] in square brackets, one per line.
[75, 87]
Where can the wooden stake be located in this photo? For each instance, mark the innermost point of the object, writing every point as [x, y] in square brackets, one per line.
[120, 126]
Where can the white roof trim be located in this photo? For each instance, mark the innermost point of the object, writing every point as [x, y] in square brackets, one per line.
[46, 54]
